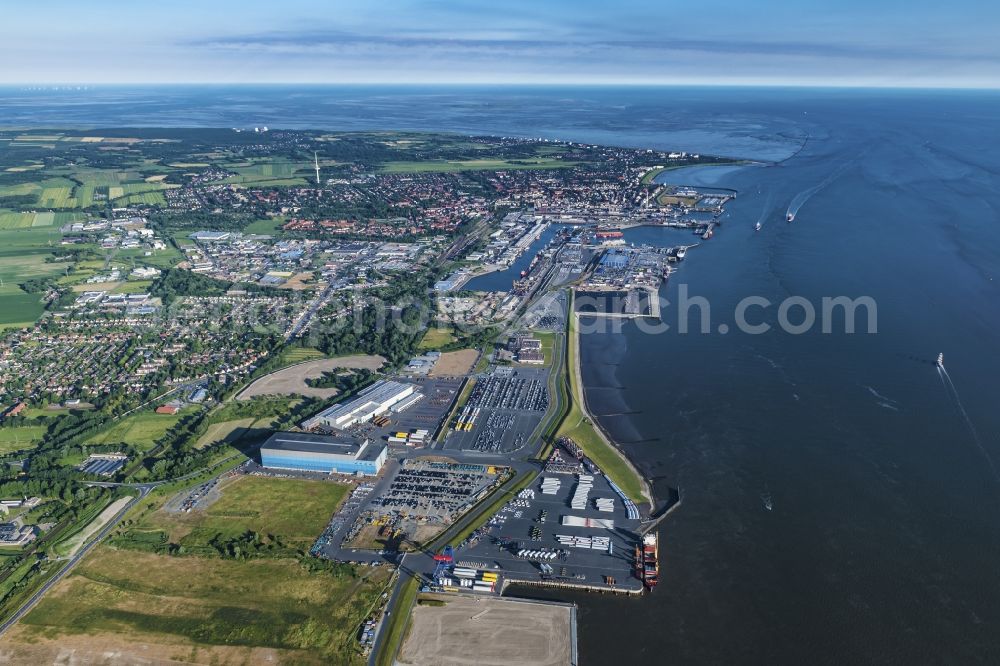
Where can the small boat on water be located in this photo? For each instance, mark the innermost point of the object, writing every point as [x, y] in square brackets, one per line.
[940, 360]
[790, 216]
[756, 227]
[765, 499]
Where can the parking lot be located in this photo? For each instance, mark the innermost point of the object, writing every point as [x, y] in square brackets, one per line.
[196, 498]
[527, 541]
[422, 498]
[346, 513]
[503, 410]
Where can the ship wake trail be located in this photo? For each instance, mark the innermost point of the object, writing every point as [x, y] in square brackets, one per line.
[767, 209]
[805, 195]
[949, 387]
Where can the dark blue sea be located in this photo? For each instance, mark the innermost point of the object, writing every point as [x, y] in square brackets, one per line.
[883, 542]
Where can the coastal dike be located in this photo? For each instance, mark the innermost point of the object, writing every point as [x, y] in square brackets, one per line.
[578, 397]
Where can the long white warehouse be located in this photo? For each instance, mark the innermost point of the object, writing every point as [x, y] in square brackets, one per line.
[376, 399]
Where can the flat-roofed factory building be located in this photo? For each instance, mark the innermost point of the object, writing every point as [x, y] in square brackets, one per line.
[377, 399]
[307, 452]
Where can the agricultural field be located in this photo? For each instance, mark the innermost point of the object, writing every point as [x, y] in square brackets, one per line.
[270, 172]
[22, 257]
[158, 608]
[292, 355]
[10, 220]
[13, 220]
[453, 166]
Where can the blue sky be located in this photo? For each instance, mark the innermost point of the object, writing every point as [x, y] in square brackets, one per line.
[798, 42]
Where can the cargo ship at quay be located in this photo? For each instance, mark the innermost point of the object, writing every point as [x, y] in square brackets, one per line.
[647, 560]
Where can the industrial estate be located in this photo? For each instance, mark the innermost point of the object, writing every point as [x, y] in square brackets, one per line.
[313, 397]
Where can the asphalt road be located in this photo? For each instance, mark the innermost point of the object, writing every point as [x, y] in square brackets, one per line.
[144, 489]
[72, 562]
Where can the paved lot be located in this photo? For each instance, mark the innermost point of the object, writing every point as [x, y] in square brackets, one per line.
[504, 424]
[490, 631]
[507, 533]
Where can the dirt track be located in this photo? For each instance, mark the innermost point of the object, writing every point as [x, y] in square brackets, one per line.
[292, 380]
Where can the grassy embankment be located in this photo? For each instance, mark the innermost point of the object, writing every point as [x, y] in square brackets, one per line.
[579, 427]
[395, 628]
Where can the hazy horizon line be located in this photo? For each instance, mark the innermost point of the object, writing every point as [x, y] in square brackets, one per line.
[505, 84]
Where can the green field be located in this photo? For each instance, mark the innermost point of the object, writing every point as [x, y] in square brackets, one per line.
[10, 220]
[149, 198]
[159, 259]
[142, 429]
[195, 609]
[22, 437]
[133, 287]
[13, 220]
[22, 257]
[453, 166]
[229, 432]
[295, 510]
[269, 226]
[78, 187]
[436, 337]
[269, 172]
[293, 355]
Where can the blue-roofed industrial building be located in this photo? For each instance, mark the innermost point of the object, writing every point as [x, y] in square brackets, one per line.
[614, 259]
[306, 452]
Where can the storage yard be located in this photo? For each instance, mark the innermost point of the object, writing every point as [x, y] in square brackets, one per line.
[490, 631]
[565, 529]
[421, 499]
[502, 411]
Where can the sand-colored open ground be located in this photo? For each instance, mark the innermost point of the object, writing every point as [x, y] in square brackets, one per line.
[76, 543]
[456, 363]
[489, 631]
[297, 282]
[108, 649]
[292, 380]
